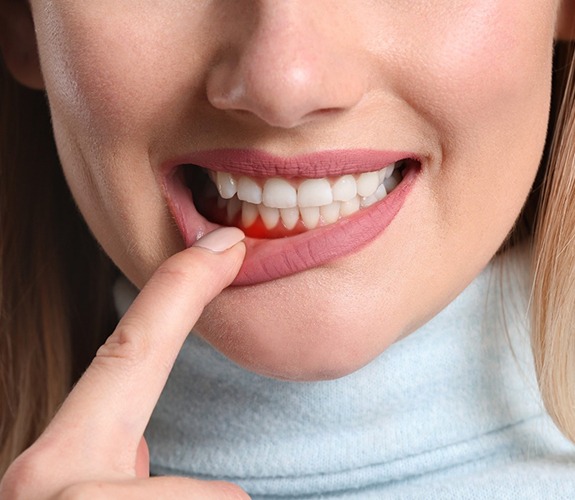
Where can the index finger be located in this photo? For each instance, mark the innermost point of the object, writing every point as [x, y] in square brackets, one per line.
[106, 413]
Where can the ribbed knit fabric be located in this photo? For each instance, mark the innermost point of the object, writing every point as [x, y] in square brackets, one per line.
[450, 412]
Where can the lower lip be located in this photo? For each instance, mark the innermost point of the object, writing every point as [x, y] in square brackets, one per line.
[269, 259]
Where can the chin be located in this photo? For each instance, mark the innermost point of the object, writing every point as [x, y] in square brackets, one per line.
[282, 352]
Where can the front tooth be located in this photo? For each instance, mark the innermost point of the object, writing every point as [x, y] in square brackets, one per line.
[310, 216]
[349, 207]
[279, 193]
[270, 216]
[367, 183]
[226, 185]
[330, 213]
[248, 190]
[289, 216]
[314, 193]
[249, 213]
[344, 189]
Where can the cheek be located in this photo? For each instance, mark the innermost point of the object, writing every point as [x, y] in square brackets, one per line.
[111, 103]
[485, 87]
[126, 76]
[482, 71]
[103, 88]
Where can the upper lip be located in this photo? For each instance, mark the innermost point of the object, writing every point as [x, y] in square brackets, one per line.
[313, 165]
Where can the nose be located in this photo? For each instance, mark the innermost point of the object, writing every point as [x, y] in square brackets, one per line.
[299, 61]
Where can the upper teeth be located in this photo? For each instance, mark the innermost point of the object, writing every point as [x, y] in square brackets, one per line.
[281, 193]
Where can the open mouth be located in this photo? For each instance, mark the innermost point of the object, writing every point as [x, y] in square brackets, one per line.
[278, 207]
[297, 213]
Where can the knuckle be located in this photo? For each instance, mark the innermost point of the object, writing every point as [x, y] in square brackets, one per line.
[176, 272]
[25, 473]
[127, 346]
[84, 491]
[190, 268]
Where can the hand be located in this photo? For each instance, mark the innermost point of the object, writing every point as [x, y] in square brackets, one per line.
[94, 446]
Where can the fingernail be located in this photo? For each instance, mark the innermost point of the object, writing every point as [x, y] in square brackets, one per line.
[221, 239]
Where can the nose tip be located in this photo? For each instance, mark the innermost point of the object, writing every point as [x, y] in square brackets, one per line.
[286, 76]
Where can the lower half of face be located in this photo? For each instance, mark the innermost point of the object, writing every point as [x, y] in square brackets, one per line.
[375, 169]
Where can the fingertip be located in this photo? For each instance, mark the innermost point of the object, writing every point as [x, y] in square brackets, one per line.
[220, 240]
[221, 253]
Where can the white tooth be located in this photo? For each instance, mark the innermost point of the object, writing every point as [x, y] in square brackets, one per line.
[367, 201]
[226, 185]
[290, 216]
[314, 193]
[381, 192]
[248, 190]
[349, 207]
[381, 174]
[390, 183]
[367, 183]
[330, 213]
[233, 208]
[389, 170]
[270, 216]
[386, 172]
[249, 214]
[310, 216]
[279, 193]
[344, 189]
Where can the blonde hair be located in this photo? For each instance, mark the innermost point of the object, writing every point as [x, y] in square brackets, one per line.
[553, 297]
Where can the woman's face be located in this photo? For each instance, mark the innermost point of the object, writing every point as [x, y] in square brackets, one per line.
[292, 96]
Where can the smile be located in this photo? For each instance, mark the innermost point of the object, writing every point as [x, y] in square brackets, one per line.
[277, 207]
[296, 213]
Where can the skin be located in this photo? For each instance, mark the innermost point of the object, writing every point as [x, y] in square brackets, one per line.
[94, 448]
[468, 91]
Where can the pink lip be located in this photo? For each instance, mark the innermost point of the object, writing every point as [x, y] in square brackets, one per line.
[269, 259]
[324, 164]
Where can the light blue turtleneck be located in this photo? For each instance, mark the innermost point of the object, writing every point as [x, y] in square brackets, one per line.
[448, 412]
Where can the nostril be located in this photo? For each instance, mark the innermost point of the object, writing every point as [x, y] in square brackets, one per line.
[325, 112]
